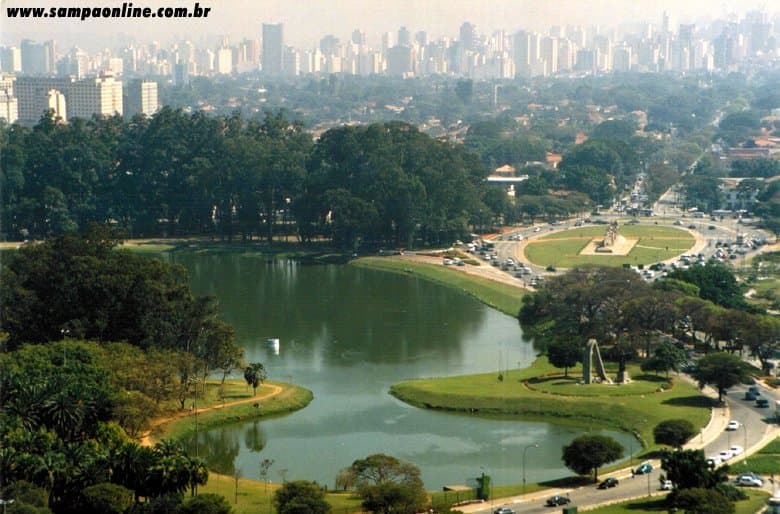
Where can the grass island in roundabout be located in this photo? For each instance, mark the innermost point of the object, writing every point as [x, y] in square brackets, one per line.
[641, 244]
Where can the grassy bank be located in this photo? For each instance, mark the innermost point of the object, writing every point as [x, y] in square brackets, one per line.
[253, 497]
[756, 500]
[541, 392]
[503, 297]
[290, 399]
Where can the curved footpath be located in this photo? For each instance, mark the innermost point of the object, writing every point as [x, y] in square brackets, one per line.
[146, 439]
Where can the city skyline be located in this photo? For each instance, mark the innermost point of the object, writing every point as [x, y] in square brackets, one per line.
[304, 26]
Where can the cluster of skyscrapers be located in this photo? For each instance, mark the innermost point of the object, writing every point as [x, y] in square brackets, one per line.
[77, 83]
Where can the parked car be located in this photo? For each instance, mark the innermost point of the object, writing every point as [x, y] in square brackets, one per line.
[749, 481]
[643, 468]
[733, 425]
[557, 500]
[609, 482]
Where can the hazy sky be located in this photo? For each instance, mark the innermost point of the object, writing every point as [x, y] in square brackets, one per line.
[305, 21]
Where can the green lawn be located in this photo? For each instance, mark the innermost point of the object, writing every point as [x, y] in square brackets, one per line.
[562, 249]
[255, 497]
[755, 502]
[635, 408]
[503, 297]
[292, 398]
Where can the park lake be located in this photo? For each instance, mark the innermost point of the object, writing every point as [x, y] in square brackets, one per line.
[347, 334]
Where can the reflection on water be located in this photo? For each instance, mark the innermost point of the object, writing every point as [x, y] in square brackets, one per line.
[348, 334]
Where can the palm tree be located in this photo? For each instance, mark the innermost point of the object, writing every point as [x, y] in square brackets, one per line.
[255, 374]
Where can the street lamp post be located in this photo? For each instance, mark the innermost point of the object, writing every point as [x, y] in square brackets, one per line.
[525, 449]
[4, 503]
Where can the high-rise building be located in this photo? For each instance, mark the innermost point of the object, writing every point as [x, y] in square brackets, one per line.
[358, 37]
[329, 45]
[57, 104]
[273, 48]
[11, 59]
[34, 58]
[224, 61]
[404, 37]
[32, 94]
[101, 96]
[468, 36]
[9, 105]
[399, 61]
[140, 97]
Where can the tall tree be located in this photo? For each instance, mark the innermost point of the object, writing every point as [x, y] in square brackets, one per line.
[721, 370]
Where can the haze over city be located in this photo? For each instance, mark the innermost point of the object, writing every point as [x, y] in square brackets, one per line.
[306, 23]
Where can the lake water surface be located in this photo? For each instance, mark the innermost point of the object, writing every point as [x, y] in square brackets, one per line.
[348, 334]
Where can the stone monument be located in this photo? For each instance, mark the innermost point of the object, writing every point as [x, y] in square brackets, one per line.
[587, 365]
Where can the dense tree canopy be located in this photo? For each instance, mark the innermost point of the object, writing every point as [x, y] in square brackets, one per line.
[588, 453]
[721, 370]
[388, 485]
[80, 287]
[673, 432]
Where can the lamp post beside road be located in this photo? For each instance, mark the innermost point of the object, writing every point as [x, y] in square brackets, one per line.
[525, 449]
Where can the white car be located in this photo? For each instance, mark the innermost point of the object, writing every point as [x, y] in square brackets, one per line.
[725, 455]
[714, 461]
[538, 229]
[750, 481]
[733, 425]
[736, 450]
[667, 485]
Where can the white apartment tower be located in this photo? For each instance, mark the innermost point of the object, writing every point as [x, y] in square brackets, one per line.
[56, 102]
[101, 96]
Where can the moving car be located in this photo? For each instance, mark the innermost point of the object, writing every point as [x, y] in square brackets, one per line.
[503, 510]
[667, 485]
[733, 425]
[557, 500]
[749, 481]
[725, 455]
[609, 482]
[643, 469]
[736, 450]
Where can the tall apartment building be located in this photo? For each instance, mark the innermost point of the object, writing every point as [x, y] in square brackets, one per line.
[273, 48]
[11, 59]
[37, 58]
[9, 105]
[56, 102]
[101, 96]
[32, 94]
[140, 97]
